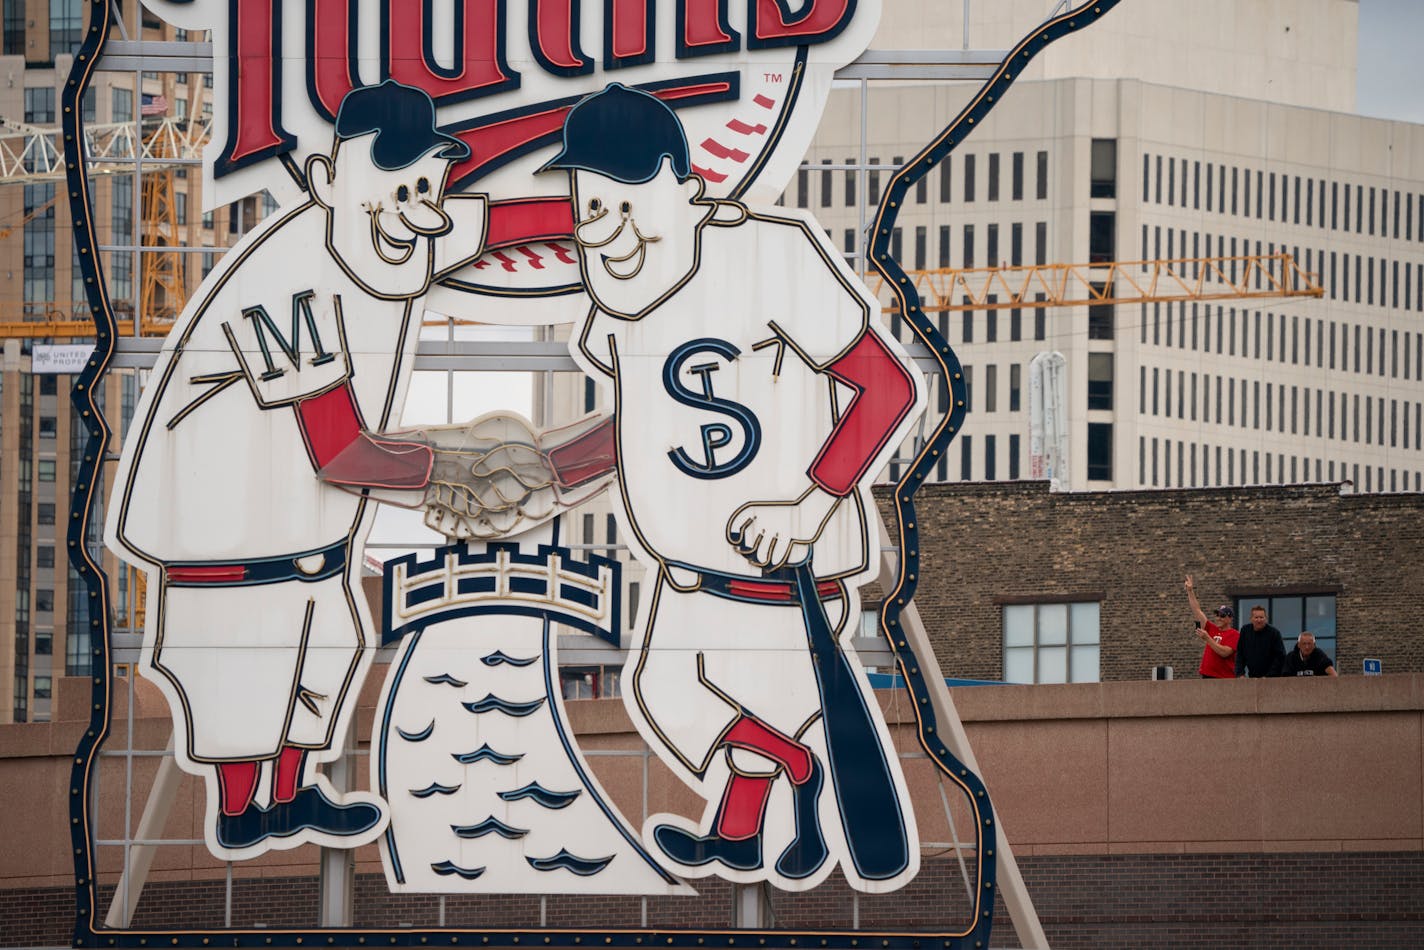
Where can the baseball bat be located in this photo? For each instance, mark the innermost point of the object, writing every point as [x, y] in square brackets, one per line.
[860, 773]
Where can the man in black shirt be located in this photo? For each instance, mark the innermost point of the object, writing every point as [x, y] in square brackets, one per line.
[1260, 649]
[1307, 660]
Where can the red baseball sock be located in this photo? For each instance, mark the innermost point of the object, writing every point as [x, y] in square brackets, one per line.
[743, 806]
[287, 773]
[757, 736]
[236, 783]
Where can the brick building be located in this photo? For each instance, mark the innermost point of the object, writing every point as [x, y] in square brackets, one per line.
[1005, 562]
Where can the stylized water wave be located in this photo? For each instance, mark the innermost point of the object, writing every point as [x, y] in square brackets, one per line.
[583, 867]
[445, 679]
[420, 736]
[485, 754]
[447, 868]
[434, 788]
[493, 703]
[499, 656]
[490, 826]
[541, 795]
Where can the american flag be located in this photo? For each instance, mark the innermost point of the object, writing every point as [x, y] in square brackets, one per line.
[154, 105]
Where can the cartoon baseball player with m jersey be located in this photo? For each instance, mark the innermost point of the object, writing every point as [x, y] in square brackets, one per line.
[755, 399]
[247, 485]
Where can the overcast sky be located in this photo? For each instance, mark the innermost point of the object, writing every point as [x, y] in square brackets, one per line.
[1391, 76]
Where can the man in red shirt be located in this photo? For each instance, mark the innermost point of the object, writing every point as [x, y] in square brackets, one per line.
[1218, 656]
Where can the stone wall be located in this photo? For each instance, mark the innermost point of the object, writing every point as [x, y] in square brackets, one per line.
[986, 543]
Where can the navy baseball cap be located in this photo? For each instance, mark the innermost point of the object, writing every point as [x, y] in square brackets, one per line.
[624, 134]
[1227, 612]
[403, 118]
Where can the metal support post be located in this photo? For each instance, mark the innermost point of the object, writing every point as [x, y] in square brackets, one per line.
[1011, 884]
[338, 865]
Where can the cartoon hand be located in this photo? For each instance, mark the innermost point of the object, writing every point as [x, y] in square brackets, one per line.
[771, 534]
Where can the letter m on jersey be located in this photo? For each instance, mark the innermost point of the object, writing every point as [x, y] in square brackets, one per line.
[262, 325]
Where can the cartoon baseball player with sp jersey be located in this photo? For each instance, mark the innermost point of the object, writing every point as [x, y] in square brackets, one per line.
[754, 402]
[247, 485]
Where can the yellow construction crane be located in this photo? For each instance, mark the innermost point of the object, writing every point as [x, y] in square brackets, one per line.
[159, 145]
[1193, 279]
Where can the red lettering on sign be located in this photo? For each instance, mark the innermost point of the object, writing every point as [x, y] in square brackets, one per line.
[254, 127]
[479, 65]
[703, 28]
[774, 24]
[628, 32]
[332, 34]
[553, 36]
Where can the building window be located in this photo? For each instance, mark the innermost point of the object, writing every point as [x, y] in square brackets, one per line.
[1100, 380]
[66, 26]
[1294, 614]
[44, 470]
[47, 427]
[1100, 451]
[1016, 186]
[1104, 169]
[44, 555]
[14, 28]
[1101, 225]
[1051, 643]
[969, 178]
[44, 643]
[1100, 315]
[44, 513]
[39, 241]
[993, 176]
[43, 687]
[44, 601]
[1041, 182]
[1015, 386]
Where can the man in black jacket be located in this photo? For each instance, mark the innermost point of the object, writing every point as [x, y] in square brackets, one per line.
[1260, 649]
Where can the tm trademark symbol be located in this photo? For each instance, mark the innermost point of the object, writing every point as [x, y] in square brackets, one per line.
[771, 77]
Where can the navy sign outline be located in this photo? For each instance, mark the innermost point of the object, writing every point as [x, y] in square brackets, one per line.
[88, 932]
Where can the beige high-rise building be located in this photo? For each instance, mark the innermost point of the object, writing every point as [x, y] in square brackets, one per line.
[44, 610]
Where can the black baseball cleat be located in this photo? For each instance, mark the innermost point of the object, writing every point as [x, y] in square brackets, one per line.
[243, 831]
[692, 850]
[311, 809]
[807, 851]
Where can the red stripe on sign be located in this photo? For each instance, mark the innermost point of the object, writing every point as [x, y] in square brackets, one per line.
[722, 151]
[760, 590]
[686, 92]
[535, 261]
[562, 253]
[505, 260]
[737, 125]
[209, 574]
[489, 142]
[763, 101]
[709, 174]
[529, 219]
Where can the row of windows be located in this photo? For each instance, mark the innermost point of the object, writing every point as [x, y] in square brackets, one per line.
[1299, 341]
[943, 175]
[1060, 642]
[1287, 199]
[1280, 403]
[992, 245]
[1375, 281]
[1156, 459]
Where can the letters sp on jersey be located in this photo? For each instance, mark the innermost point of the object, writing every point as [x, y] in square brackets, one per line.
[503, 72]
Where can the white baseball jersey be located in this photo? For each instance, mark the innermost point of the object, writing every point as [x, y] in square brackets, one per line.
[217, 468]
[720, 398]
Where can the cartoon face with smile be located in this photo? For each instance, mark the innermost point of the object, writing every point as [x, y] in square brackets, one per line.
[637, 242]
[638, 209]
[383, 188]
